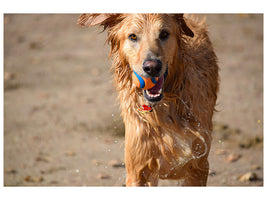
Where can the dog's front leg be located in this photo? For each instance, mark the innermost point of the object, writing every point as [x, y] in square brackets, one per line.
[141, 156]
[133, 180]
[142, 168]
[146, 176]
[197, 175]
[135, 177]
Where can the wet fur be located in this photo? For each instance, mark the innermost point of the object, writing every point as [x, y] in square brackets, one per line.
[173, 141]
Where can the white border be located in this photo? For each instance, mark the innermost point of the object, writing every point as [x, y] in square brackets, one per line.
[123, 6]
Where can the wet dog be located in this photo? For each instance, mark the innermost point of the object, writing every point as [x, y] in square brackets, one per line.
[167, 127]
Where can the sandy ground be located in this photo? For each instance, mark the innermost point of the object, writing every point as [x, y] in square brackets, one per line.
[62, 124]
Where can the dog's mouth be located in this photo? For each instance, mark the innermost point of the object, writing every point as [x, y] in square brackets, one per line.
[155, 93]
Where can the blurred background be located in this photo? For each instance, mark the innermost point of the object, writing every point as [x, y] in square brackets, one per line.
[62, 124]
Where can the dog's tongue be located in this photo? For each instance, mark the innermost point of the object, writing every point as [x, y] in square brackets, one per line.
[158, 86]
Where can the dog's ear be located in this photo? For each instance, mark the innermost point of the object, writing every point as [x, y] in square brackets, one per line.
[186, 30]
[105, 20]
[89, 20]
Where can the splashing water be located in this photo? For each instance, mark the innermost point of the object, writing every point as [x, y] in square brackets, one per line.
[196, 133]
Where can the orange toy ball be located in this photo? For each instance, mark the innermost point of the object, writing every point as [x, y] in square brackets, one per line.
[142, 82]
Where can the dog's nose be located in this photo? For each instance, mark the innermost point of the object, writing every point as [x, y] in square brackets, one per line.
[152, 67]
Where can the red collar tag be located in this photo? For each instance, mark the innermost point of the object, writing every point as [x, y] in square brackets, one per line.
[145, 109]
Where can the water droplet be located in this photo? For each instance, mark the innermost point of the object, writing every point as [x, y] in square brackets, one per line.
[77, 170]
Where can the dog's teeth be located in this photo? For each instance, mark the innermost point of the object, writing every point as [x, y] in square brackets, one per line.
[153, 95]
[160, 91]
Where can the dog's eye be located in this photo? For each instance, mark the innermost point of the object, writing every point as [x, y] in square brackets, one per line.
[163, 35]
[133, 37]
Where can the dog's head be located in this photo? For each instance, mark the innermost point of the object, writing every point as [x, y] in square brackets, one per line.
[147, 43]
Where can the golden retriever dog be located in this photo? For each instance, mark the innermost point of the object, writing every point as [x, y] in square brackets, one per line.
[167, 127]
